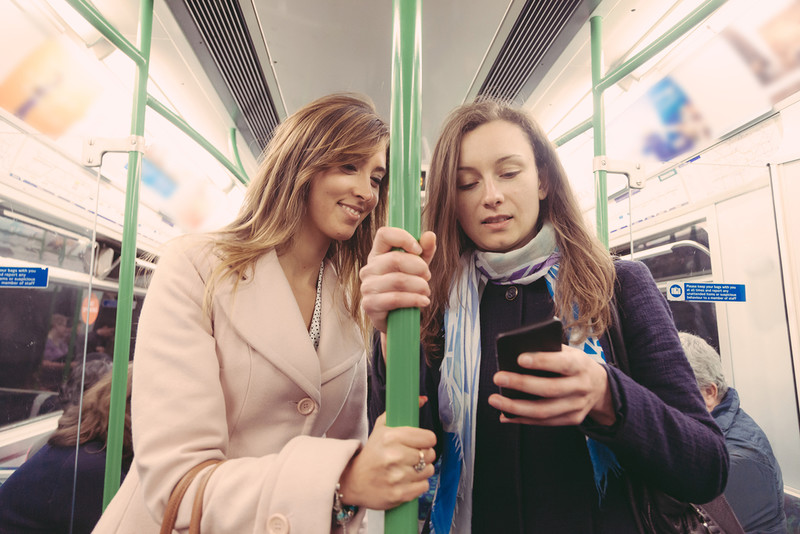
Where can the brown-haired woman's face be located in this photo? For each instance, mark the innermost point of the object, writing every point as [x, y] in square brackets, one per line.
[497, 189]
[341, 197]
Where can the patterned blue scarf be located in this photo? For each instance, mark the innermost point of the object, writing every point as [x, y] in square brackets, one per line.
[460, 372]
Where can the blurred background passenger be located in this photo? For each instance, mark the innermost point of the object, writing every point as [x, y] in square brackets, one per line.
[755, 484]
[57, 344]
[97, 366]
[38, 496]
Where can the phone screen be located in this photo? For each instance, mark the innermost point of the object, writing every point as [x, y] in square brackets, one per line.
[538, 337]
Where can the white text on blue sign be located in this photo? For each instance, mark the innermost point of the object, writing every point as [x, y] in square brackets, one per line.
[706, 292]
[23, 276]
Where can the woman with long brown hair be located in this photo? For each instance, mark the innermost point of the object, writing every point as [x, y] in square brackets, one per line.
[507, 247]
[249, 352]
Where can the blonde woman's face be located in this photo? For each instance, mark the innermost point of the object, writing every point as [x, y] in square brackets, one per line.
[498, 194]
[342, 197]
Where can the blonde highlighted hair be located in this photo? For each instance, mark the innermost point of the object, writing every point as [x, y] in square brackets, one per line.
[94, 417]
[334, 130]
[586, 272]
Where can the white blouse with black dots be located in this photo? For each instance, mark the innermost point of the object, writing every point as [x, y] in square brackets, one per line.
[314, 330]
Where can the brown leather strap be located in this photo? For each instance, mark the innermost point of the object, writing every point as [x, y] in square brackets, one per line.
[197, 508]
[723, 515]
[174, 502]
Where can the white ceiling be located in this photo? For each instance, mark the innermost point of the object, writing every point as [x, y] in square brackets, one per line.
[315, 47]
[320, 47]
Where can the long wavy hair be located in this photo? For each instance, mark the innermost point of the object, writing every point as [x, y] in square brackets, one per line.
[586, 273]
[334, 130]
[94, 417]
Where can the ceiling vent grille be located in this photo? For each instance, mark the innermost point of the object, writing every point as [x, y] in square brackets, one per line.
[223, 30]
[538, 25]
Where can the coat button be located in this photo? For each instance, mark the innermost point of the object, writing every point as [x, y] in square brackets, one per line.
[512, 292]
[306, 406]
[277, 524]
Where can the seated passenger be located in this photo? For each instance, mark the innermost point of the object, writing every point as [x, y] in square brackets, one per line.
[57, 344]
[70, 392]
[38, 497]
[755, 485]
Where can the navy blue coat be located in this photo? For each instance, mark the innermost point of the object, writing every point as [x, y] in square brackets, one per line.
[37, 497]
[539, 479]
[755, 484]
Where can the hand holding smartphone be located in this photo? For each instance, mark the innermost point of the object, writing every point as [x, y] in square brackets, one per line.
[545, 336]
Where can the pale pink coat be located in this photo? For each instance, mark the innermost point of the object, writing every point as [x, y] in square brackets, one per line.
[245, 385]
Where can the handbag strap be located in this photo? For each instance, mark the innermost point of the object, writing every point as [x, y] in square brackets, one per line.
[618, 353]
[720, 511]
[175, 498]
[618, 357]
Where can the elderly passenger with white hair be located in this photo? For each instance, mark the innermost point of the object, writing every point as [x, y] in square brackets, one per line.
[755, 485]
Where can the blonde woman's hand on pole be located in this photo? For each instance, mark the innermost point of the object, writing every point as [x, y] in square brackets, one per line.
[392, 468]
[394, 279]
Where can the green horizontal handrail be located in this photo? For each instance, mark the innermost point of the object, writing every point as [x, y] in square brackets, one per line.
[235, 149]
[96, 19]
[574, 132]
[673, 34]
[178, 121]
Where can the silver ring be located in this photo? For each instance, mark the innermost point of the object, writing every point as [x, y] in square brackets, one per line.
[420, 466]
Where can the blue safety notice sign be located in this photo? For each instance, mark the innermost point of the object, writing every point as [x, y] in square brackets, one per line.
[706, 292]
[23, 276]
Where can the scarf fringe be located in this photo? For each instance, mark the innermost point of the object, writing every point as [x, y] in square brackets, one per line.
[604, 462]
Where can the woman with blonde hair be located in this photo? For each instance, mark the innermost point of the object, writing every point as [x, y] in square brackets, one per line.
[507, 247]
[250, 355]
[53, 492]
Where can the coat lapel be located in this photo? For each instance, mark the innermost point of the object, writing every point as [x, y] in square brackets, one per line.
[340, 345]
[265, 313]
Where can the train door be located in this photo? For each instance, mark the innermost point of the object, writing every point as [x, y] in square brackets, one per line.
[785, 190]
[726, 242]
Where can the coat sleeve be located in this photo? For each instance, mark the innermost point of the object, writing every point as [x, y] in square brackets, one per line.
[664, 434]
[179, 420]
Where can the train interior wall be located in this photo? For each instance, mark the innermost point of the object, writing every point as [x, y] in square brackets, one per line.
[742, 191]
[738, 194]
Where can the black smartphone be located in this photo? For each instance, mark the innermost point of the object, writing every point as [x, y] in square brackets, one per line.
[545, 336]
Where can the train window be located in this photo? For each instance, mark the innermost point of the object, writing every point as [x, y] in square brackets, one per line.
[676, 253]
[43, 333]
[679, 254]
[29, 239]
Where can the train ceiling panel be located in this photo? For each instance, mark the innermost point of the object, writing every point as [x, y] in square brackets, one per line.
[221, 40]
[541, 26]
[268, 58]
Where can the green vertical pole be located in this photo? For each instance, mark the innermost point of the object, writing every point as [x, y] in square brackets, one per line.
[598, 123]
[402, 361]
[122, 333]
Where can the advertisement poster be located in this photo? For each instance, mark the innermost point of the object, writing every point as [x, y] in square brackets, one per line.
[51, 89]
